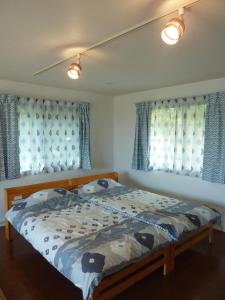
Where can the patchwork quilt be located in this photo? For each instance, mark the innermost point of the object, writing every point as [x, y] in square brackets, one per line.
[89, 236]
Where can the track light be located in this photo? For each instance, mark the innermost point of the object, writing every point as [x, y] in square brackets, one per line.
[171, 34]
[74, 69]
[174, 29]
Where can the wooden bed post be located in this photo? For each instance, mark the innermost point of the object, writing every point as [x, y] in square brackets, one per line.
[8, 227]
[95, 295]
[8, 231]
[170, 260]
[211, 235]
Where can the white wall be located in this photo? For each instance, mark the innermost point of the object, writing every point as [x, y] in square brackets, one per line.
[101, 130]
[124, 128]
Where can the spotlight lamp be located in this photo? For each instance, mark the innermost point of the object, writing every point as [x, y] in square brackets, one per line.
[174, 29]
[74, 69]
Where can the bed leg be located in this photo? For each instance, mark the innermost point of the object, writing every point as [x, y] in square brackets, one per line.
[211, 235]
[8, 231]
[95, 295]
[170, 260]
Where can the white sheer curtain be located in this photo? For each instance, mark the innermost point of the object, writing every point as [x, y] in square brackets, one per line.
[177, 136]
[48, 135]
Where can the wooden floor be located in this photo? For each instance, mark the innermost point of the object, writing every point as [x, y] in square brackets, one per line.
[199, 275]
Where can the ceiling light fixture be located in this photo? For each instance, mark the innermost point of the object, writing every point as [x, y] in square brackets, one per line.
[74, 69]
[174, 29]
[177, 32]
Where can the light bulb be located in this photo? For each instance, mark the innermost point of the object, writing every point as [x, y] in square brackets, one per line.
[74, 71]
[173, 31]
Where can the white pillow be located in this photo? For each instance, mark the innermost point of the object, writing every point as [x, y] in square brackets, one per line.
[98, 185]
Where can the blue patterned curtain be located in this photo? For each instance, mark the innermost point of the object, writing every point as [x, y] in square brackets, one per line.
[54, 135]
[49, 135]
[84, 135]
[169, 135]
[9, 146]
[141, 142]
[214, 153]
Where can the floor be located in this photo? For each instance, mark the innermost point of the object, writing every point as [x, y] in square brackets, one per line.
[199, 275]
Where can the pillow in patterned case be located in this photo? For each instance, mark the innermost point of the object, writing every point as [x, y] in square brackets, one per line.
[44, 195]
[98, 185]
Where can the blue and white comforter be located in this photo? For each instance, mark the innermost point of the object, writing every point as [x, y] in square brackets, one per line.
[175, 217]
[83, 241]
[87, 237]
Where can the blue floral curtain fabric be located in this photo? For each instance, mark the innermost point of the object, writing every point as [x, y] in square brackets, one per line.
[49, 139]
[142, 132]
[177, 136]
[214, 154]
[172, 136]
[9, 150]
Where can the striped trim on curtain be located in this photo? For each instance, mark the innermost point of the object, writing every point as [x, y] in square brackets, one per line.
[9, 145]
[84, 135]
[214, 149]
[142, 132]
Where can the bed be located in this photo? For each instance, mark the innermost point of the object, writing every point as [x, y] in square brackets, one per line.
[105, 237]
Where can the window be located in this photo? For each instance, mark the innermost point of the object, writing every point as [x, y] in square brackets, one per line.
[48, 136]
[177, 138]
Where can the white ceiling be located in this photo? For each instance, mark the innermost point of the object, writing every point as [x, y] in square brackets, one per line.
[38, 33]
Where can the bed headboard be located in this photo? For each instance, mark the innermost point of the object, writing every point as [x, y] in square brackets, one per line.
[69, 184]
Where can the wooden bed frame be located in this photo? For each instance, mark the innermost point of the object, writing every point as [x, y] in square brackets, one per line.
[116, 283]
